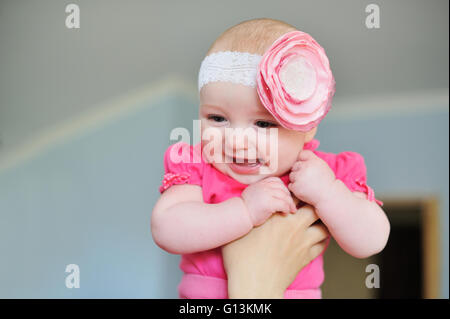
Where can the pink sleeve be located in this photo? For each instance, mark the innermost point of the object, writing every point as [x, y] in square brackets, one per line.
[351, 170]
[182, 165]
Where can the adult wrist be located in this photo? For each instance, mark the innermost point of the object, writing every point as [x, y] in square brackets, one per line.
[247, 289]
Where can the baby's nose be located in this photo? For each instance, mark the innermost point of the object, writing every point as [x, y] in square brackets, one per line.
[238, 139]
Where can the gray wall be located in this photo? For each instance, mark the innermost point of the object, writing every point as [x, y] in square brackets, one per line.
[49, 74]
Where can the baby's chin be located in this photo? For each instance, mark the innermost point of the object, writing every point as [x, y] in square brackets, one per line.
[241, 178]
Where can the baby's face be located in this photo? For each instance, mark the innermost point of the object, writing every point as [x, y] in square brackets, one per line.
[228, 109]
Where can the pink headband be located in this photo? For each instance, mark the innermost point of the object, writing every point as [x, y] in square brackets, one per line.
[295, 82]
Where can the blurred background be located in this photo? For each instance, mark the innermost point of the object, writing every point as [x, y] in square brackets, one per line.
[85, 116]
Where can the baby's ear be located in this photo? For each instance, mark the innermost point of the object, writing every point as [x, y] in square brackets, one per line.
[310, 135]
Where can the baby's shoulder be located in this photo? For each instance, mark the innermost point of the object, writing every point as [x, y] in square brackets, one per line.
[183, 154]
[345, 163]
[183, 164]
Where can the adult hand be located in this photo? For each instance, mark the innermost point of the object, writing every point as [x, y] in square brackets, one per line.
[263, 263]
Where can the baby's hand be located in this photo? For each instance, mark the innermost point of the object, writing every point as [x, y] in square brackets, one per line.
[311, 178]
[266, 197]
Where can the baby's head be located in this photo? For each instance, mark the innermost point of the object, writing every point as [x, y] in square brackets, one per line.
[248, 130]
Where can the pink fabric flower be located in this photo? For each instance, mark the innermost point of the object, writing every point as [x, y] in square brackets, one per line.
[295, 82]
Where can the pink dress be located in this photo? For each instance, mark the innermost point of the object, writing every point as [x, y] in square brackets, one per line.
[204, 274]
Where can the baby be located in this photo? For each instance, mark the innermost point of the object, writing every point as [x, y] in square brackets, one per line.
[264, 87]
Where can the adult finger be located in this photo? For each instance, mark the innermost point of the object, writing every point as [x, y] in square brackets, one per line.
[307, 215]
[317, 232]
[317, 249]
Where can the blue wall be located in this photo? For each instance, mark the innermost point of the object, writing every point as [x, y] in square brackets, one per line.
[87, 200]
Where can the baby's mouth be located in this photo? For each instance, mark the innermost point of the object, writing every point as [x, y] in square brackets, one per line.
[244, 166]
[247, 162]
[243, 160]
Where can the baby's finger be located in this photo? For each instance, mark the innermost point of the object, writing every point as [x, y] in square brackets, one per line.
[278, 193]
[275, 189]
[279, 186]
[272, 179]
[291, 186]
[290, 199]
[287, 197]
[293, 206]
[280, 205]
[296, 166]
[292, 176]
[305, 155]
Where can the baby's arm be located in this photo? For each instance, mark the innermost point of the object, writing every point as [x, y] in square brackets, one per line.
[358, 225]
[182, 223]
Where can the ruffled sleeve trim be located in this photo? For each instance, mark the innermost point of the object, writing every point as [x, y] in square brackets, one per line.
[170, 179]
[369, 191]
[182, 165]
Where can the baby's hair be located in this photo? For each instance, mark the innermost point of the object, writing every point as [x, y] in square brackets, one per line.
[253, 36]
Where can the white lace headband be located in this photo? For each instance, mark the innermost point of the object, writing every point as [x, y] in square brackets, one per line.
[229, 66]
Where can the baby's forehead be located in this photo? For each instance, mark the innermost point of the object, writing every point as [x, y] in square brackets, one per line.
[242, 101]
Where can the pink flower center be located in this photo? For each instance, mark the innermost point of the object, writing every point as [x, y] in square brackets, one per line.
[299, 78]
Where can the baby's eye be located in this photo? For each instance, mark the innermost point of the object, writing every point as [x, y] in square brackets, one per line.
[216, 118]
[264, 124]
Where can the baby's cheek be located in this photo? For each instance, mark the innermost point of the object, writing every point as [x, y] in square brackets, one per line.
[284, 164]
[288, 154]
[212, 146]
